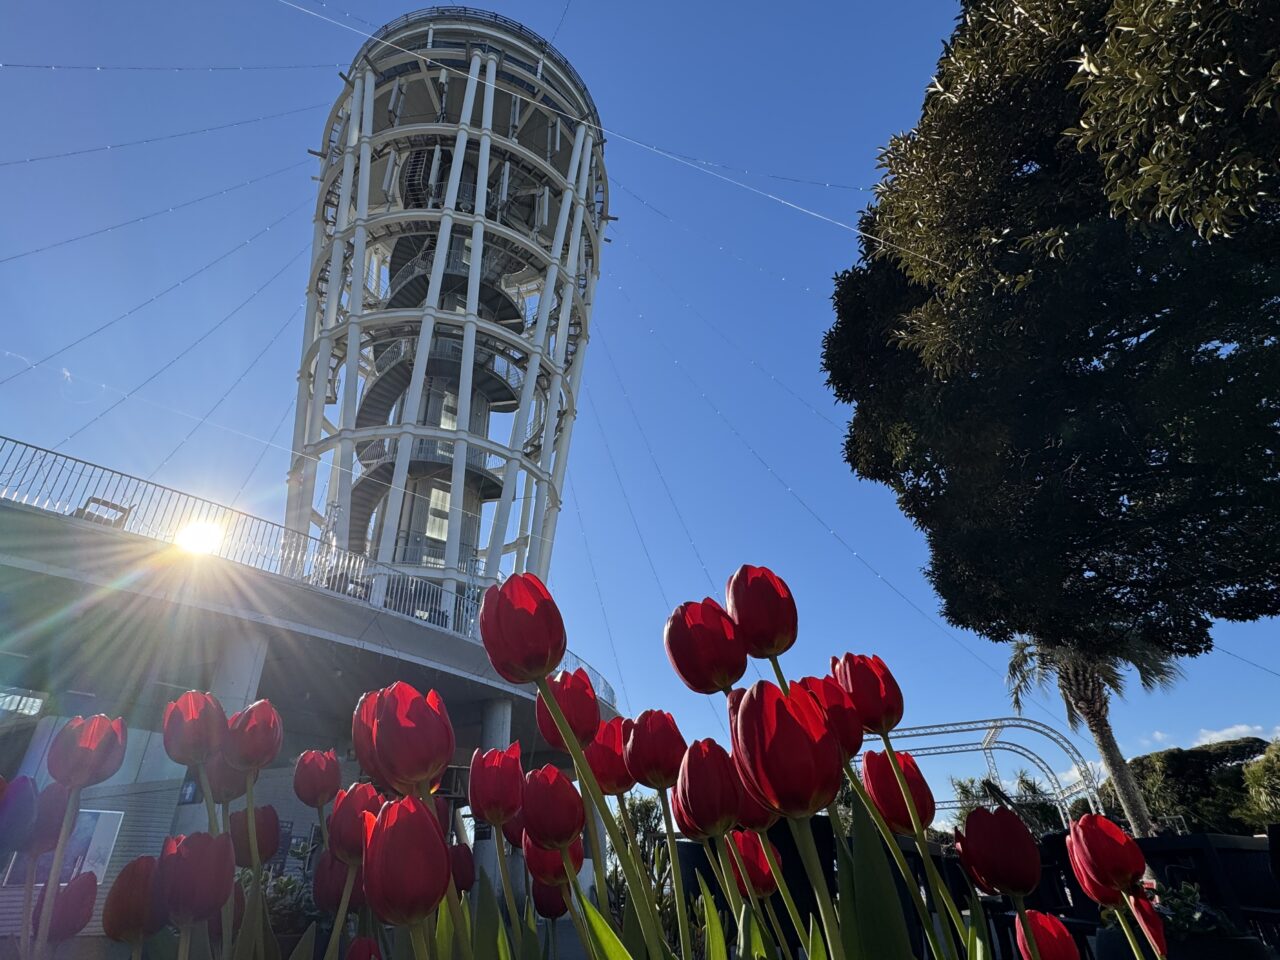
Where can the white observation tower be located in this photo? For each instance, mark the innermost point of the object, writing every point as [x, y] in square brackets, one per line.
[462, 195]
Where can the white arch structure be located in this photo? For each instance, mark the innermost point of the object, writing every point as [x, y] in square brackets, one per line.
[993, 741]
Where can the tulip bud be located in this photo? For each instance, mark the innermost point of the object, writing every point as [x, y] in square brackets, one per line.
[752, 814]
[785, 751]
[841, 715]
[521, 628]
[1052, 938]
[513, 829]
[496, 785]
[547, 866]
[18, 814]
[134, 909]
[197, 873]
[346, 822]
[362, 723]
[226, 783]
[654, 749]
[195, 728]
[254, 736]
[406, 862]
[872, 689]
[882, 786]
[1105, 859]
[763, 611]
[759, 873]
[412, 736]
[317, 777]
[463, 866]
[687, 828]
[267, 827]
[87, 751]
[1152, 926]
[444, 813]
[707, 789]
[364, 948]
[330, 876]
[577, 700]
[998, 852]
[72, 907]
[553, 810]
[703, 647]
[604, 756]
[551, 901]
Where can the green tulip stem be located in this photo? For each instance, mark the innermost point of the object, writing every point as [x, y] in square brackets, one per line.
[803, 834]
[28, 904]
[460, 924]
[1028, 934]
[597, 863]
[777, 672]
[1128, 903]
[574, 911]
[776, 927]
[210, 808]
[508, 892]
[718, 868]
[646, 910]
[184, 942]
[677, 882]
[891, 841]
[1134, 945]
[54, 883]
[340, 918]
[418, 939]
[324, 825]
[922, 843]
[228, 908]
[785, 891]
[252, 822]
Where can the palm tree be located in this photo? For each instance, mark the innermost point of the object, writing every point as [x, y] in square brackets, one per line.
[1087, 682]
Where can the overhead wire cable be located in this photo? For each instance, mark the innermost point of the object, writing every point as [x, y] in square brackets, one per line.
[155, 213]
[183, 68]
[208, 332]
[262, 454]
[168, 136]
[71, 344]
[227, 392]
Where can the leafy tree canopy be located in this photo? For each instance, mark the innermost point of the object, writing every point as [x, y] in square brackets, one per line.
[1072, 391]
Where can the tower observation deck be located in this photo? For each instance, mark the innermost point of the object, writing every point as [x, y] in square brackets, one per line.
[462, 196]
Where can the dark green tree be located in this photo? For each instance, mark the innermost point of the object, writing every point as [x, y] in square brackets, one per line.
[1261, 806]
[1074, 398]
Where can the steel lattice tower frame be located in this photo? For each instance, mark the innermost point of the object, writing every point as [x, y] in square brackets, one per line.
[456, 251]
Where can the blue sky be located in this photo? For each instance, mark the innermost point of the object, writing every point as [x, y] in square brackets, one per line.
[708, 317]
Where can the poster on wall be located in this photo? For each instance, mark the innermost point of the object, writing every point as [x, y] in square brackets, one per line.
[89, 847]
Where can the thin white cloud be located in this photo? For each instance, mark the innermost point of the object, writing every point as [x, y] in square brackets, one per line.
[1159, 736]
[1234, 732]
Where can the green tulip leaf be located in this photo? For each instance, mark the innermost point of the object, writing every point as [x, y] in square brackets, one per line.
[162, 946]
[632, 931]
[978, 946]
[881, 927]
[529, 942]
[817, 946]
[201, 948]
[713, 941]
[401, 943]
[751, 939]
[444, 933]
[306, 948]
[605, 941]
[846, 904]
[245, 940]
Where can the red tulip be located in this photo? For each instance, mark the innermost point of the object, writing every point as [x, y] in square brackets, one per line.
[759, 873]
[18, 814]
[1145, 913]
[412, 736]
[406, 862]
[496, 787]
[703, 647]
[444, 813]
[752, 814]
[346, 822]
[547, 866]
[874, 692]
[763, 609]
[550, 900]
[577, 700]
[86, 752]
[267, 827]
[134, 909]
[226, 783]
[842, 716]
[708, 788]
[513, 829]
[317, 777]
[654, 749]
[785, 751]
[882, 786]
[237, 915]
[4, 785]
[195, 728]
[522, 630]
[463, 865]
[688, 829]
[1052, 938]
[362, 723]
[196, 875]
[364, 948]
[254, 736]
[1105, 859]
[330, 876]
[51, 809]
[999, 852]
[605, 757]
[72, 907]
[553, 811]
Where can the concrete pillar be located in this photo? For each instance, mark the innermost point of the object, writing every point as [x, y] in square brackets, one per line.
[238, 671]
[495, 734]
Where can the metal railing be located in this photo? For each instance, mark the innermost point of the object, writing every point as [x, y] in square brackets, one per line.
[74, 488]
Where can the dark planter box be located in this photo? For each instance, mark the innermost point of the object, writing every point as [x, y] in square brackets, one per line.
[1112, 945]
